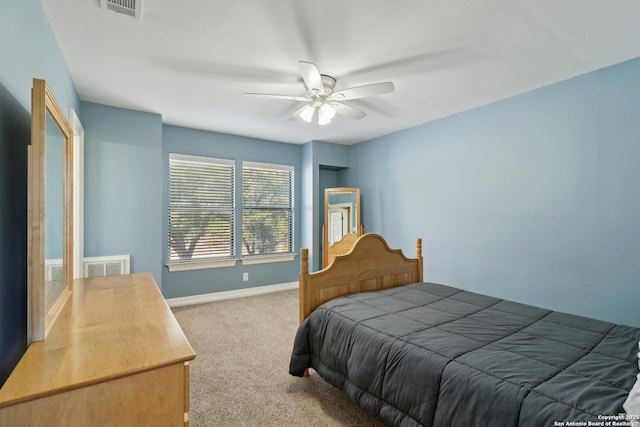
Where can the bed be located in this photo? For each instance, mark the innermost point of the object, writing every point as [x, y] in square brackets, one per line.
[418, 353]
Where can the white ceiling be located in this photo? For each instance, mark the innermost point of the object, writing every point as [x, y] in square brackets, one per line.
[192, 60]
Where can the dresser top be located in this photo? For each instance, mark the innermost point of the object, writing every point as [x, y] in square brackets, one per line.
[110, 327]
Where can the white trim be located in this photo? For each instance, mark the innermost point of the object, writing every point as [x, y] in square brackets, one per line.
[265, 259]
[267, 166]
[200, 265]
[201, 159]
[78, 194]
[237, 293]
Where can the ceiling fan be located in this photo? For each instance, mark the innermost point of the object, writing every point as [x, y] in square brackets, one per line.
[322, 103]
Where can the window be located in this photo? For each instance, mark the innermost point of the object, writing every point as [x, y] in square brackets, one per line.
[201, 211]
[267, 209]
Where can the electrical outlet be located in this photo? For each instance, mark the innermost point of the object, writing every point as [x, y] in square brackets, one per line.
[245, 276]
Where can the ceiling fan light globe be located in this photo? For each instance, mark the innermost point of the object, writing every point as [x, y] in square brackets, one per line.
[323, 121]
[327, 111]
[307, 113]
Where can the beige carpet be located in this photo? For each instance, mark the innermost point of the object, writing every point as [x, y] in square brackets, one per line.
[240, 376]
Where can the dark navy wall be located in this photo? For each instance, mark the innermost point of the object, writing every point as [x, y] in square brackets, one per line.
[15, 135]
[535, 198]
[28, 49]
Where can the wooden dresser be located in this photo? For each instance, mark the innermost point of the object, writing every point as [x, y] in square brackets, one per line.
[115, 356]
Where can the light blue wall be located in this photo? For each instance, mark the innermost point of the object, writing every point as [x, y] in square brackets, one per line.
[318, 156]
[535, 198]
[123, 185]
[28, 49]
[54, 190]
[200, 143]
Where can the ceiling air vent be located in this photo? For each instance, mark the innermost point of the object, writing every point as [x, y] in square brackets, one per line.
[131, 8]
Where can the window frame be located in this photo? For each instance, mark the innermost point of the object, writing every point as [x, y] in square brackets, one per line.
[208, 262]
[272, 257]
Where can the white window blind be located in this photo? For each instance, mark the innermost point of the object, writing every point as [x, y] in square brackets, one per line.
[267, 209]
[201, 208]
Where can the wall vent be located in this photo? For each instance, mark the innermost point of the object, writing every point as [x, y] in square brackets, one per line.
[131, 8]
[106, 265]
[53, 269]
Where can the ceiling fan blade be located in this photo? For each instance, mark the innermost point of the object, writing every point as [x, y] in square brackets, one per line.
[311, 76]
[348, 111]
[363, 91]
[275, 96]
[417, 64]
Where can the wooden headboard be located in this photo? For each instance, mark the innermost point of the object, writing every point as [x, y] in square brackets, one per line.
[370, 265]
[340, 247]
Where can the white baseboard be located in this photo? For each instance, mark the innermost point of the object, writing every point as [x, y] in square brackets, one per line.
[237, 293]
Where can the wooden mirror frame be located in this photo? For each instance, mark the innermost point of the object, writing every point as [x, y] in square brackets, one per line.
[343, 246]
[39, 321]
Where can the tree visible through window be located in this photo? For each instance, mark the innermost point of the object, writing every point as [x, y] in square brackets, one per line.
[201, 208]
[267, 209]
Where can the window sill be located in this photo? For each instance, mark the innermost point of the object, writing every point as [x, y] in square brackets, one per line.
[265, 259]
[199, 265]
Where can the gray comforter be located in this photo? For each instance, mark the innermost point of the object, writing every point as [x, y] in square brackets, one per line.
[433, 355]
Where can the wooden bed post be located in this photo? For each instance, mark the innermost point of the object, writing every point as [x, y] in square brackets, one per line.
[419, 256]
[303, 286]
[303, 283]
[324, 257]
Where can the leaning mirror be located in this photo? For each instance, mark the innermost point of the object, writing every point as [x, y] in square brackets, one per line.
[49, 275]
[342, 222]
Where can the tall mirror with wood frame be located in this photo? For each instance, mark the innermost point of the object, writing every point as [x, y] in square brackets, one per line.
[342, 222]
[50, 224]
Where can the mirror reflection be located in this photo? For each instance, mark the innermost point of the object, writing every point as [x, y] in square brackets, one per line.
[342, 215]
[53, 220]
[342, 222]
[49, 212]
